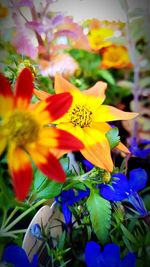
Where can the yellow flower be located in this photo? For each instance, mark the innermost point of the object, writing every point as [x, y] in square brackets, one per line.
[86, 119]
[26, 133]
[115, 57]
[99, 38]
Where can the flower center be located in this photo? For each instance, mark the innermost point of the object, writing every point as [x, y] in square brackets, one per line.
[21, 128]
[81, 116]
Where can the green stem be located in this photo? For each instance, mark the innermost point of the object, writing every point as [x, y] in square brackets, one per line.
[19, 218]
[4, 218]
[12, 233]
[10, 216]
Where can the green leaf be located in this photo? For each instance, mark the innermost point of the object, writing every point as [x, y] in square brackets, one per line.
[128, 235]
[136, 12]
[88, 61]
[100, 215]
[43, 187]
[113, 137]
[39, 180]
[145, 82]
[107, 76]
[51, 190]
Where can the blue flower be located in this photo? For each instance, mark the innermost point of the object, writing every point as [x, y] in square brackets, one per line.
[140, 152]
[88, 165]
[69, 198]
[123, 188]
[17, 256]
[109, 257]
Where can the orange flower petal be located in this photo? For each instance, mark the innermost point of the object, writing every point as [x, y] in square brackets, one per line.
[109, 113]
[42, 95]
[21, 171]
[97, 149]
[53, 107]
[98, 90]
[99, 155]
[104, 127]
[56, 138]
[47, 163]
[6, 96]
[62, 85]
[24, 88]
[122, 148]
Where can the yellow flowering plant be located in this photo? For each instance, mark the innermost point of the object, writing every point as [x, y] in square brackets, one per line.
[99, 38]
[87, 119]
[115, 56]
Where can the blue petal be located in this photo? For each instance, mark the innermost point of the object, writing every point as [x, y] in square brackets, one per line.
[35, 230]
[138, 203]
[142, 153]
[119, 189]
[110, 194]
[16, 256]
[34, 262]
[145, 142]
[68, 196]
[121, 184]
[129, 261]
[137, 179]
[67, 214]
[111, 255]
[82, 194]
[93, 255]
[88, 165]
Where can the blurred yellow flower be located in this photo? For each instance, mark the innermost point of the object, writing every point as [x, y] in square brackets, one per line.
[115, 57]
[99, 38]
[3, 11]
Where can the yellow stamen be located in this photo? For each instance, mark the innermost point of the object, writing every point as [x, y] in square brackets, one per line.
[81, 116]
[21, 128]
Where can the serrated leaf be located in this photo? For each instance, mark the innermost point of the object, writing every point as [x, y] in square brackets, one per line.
[100, 215]
[113, 137]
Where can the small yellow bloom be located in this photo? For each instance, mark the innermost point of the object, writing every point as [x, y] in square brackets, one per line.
[99, 38]
[115, 57]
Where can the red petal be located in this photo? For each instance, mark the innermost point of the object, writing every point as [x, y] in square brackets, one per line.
[21, 171]
[56, 138]
[24, 88]
[69, 142]
[47, 163]
[54, 106]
